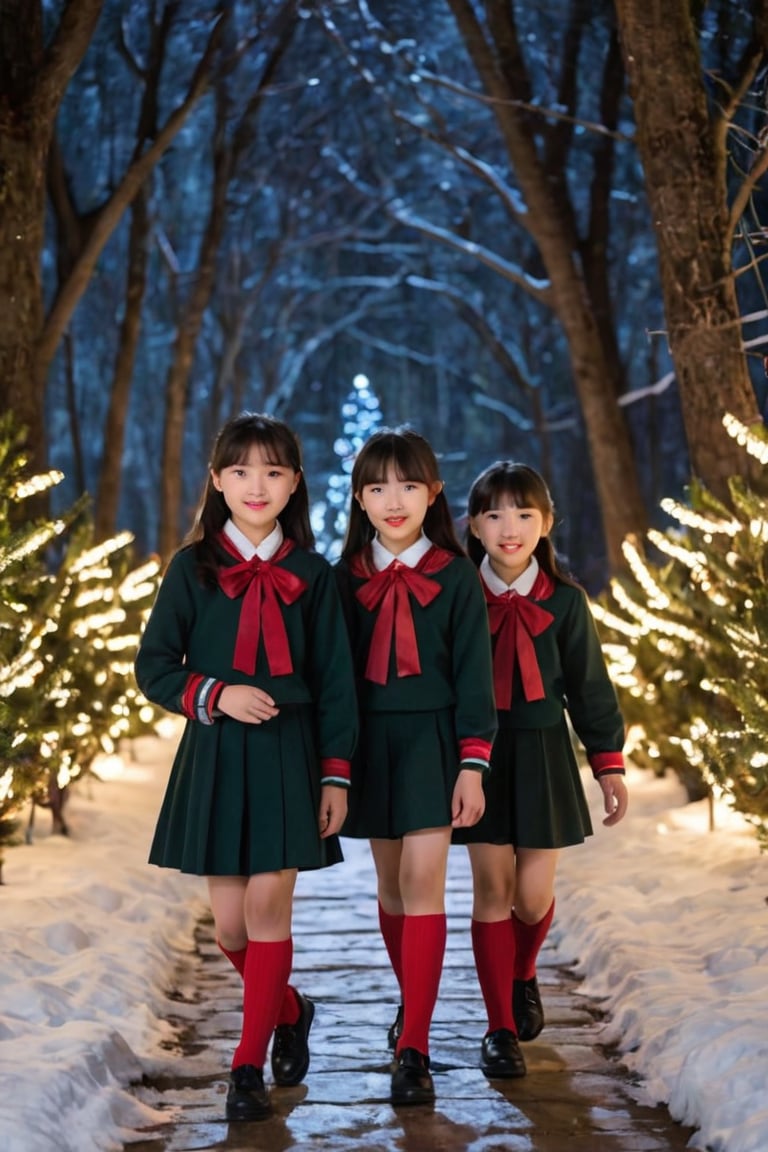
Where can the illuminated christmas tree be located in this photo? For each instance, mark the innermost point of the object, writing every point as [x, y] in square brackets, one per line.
[686, 640]
[69, 628]
[361, 415]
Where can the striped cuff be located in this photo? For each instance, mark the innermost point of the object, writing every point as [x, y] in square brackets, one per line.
[606, 764]
[199, 697]
[334, 771]
[475, 753]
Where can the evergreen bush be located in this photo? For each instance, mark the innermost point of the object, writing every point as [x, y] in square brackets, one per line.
[71, 612]
[685, 634]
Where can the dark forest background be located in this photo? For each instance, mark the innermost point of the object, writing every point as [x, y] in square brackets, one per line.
[535, 228]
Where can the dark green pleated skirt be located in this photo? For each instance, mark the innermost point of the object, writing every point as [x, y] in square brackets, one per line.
[534, 797]
[403, 775]
[243, 799]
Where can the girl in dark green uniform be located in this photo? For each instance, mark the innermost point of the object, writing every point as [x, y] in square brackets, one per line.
[546, 658]
[247, 640]
[422, 651]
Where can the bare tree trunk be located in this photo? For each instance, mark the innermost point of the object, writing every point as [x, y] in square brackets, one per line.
[684, 156]
[550, 223]
[110, 472]
[188, 331]
[227, 150]
[110, 214]
[72, 413]
[33, 80]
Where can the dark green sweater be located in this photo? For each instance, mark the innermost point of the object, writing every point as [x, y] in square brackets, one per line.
[454, 651]
[191, 633]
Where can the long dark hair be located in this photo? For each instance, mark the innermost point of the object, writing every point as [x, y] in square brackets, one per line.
[277, 445]
[506, 480]
[411, 458]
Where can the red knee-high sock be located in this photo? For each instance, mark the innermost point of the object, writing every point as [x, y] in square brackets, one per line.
[289, 1009]
[392, 933]
[267, 968]
[423, 952]
[494, 947]
[528, 941]
[236, 959]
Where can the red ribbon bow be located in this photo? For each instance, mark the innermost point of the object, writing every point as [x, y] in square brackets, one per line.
[390, 591]
[514, 621]
[264, 585]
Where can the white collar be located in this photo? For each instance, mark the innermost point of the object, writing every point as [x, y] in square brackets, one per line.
[522, 585]
[247, 549]
[382, 557]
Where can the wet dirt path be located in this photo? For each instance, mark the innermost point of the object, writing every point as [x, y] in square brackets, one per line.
[576, 1097]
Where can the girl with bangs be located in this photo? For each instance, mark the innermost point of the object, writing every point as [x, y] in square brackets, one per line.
[547, 660]
[247, 640]
[422, 653]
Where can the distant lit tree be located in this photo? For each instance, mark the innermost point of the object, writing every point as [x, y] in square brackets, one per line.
[361, 415]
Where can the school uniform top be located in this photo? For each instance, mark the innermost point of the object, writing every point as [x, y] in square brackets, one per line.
[419, 636]
[276, 624]
[244, 798]
[547, 658]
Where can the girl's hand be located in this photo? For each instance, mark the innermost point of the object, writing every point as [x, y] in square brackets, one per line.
[468, 802]
[615, 797]
[251, 705]
[333, 809]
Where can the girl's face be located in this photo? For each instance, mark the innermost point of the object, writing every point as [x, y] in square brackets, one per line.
[256, 492]
[509, 536]
[396, 509]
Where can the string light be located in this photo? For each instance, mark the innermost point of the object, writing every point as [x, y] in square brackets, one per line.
[690, 519]
[758, 529]
[94, 596]
[95, 556]
[120, 643]
[6, 782]
[639, 569]
[98, 623]
[141, 583]
[33, 543]
[691, 559]
[746, 437]
[23, 489]
[614, 622]
[651, 623]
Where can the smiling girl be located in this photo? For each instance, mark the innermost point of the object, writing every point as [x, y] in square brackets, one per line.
[247, 641]
[546, 659]
[420, 639]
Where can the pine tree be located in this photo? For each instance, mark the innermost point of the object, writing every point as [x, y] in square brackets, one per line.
[740, 614]
[361, 415]
[70, 620]
[24, 579]
[685, 636]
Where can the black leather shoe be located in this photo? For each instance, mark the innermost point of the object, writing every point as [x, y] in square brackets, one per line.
[527, 1008]
[290, 1046]
[395, 1029]
[247, 1097]
[411, 1079]
[500, 1056]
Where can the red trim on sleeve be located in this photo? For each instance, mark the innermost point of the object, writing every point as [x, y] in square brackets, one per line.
[337, 769]
[213, 696]
[472, 748]
[189, 694]
[603, 763]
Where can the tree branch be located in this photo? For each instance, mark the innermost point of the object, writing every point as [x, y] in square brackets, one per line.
[539, 289]
[65, 52]
[110, 214]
